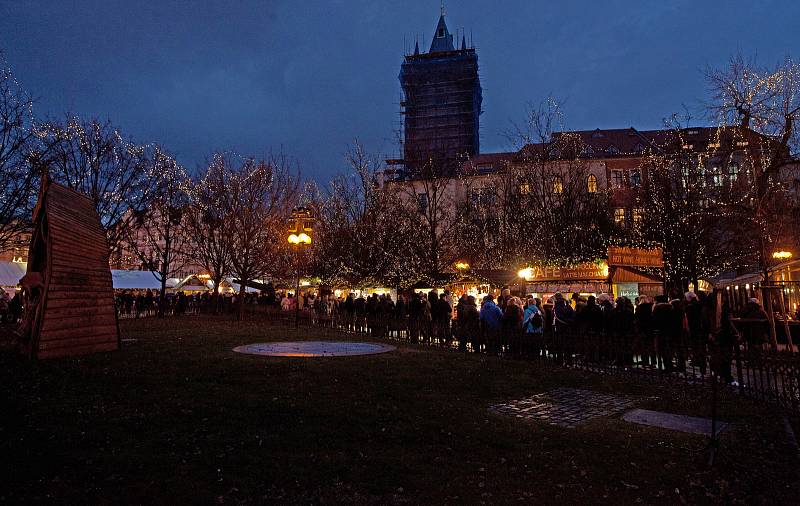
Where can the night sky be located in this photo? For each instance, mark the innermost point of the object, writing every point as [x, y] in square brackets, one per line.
[306, 78]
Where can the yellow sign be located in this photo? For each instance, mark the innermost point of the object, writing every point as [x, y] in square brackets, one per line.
[579, 272]
[635, 257]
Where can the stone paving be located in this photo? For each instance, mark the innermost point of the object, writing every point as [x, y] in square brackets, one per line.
[682, 423]
[314, 349]
[565, 407]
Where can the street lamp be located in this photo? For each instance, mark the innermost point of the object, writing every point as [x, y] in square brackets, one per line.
[301, 225]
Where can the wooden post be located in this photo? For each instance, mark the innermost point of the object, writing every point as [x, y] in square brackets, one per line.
[786, 321]
[765, 295]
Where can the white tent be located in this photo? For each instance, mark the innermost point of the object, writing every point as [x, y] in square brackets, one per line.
[10, 274]
[236, 287]
[137, 280]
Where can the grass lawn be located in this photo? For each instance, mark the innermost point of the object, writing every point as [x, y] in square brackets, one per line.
[178, 418]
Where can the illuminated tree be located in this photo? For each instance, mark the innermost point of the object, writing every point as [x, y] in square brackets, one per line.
[17, 179]
[548, 212]
[157, 234]
[428, 204]
[93, 158]
[206, 221]
[361, 235]
[261, 194]
[761, 107]
[684, 200]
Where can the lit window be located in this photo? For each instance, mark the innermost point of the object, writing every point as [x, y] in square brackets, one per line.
[618, 179]
[636, 215]
[619, 216]
[733, 171]
[716, 175]
[592, 183]
[524, 189]
[558, 185]
[636, 178]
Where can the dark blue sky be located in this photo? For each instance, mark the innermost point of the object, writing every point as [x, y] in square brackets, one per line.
[306, 77]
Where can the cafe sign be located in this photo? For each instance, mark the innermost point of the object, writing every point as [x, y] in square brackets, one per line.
[635, 257]
[589, 271]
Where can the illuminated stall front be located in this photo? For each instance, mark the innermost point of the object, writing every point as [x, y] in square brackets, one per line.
[584, 279]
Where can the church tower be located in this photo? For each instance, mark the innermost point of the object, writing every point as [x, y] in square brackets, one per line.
[441, 104]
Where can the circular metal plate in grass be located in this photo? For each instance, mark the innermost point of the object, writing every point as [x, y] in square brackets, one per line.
[314, 349]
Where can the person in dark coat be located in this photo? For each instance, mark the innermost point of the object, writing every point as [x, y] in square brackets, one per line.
[443, 314]
[623, 331]
[15, 306]
[755, 331]
[663, 328]
[698, 331]
[591, 317]
[643, 318]
[491, 317]
[470, 325]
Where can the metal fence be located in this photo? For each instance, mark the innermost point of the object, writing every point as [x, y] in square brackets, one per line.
[754, 370]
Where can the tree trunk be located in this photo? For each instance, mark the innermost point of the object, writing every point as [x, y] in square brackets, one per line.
[162, 295]
[242, 290]
[216, 295]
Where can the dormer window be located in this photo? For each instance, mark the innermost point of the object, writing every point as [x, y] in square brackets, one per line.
[638, 148]
[597, 134]
[612, 150]
[441, 32]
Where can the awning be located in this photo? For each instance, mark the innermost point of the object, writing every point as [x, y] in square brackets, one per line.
[136, 280]
[12, 272]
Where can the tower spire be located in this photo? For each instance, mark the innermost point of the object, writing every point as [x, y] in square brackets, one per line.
[442, 38]
[442, 8]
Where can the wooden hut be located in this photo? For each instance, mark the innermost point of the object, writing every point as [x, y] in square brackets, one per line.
[69, 299]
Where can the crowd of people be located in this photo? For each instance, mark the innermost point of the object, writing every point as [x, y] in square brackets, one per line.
[10, 307]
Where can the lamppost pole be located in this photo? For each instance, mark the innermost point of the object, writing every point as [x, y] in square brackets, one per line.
[301, 225]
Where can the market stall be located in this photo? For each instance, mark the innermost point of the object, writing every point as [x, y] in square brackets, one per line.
[10, 274]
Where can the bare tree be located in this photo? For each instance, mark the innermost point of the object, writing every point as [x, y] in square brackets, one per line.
[206, 221]
[685, 204]
[552, 211]
[764, 102]
[157, 234]
[260, 197]
[16, 149]
[93, 158]
[361, 238]
[429, 205]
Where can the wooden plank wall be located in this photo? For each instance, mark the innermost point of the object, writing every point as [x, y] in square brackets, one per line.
[79, 315]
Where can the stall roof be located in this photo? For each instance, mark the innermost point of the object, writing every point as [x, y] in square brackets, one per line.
[236, 286]
[11, 272]
[138, 280]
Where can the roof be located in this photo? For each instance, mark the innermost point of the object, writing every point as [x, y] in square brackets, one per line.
[442, 39]
[487, 162]
[619, 144]
[11, 272]
[134, 280]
